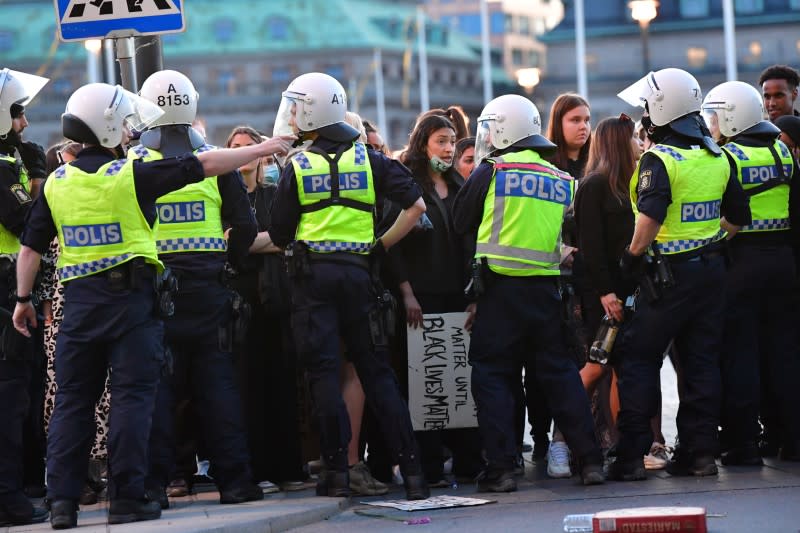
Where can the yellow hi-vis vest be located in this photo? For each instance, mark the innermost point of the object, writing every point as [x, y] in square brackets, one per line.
[189, 219]
[9, 243]
[520, 234]
[697, 181]
[756, 166]
[335, 218]
[100, 224]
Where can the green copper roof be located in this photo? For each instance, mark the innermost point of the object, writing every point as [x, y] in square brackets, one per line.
[248, 27]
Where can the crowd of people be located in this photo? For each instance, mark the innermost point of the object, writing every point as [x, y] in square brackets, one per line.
[185, 313]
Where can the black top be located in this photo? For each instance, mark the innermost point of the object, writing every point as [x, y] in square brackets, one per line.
[789, 236]
[14, 200]
[236, 214]
[433, 261]
[604, 227]
[655, 194]
[260, 201]
[152, 180]
[392, 181]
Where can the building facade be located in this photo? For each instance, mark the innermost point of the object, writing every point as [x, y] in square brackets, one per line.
[686, 34]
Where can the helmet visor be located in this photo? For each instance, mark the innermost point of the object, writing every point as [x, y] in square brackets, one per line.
[711, 118]
[285, 120]
[636, 94]
[137, 112]
[483, 140]
[27, 86]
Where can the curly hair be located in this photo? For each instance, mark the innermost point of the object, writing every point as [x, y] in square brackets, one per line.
[780, 72]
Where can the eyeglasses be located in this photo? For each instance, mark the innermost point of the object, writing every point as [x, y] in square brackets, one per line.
[625, 118]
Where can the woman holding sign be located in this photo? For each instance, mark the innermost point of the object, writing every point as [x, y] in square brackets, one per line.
[428, 268]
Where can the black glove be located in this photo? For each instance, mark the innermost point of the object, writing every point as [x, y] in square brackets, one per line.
[631, 266]
[34, 160]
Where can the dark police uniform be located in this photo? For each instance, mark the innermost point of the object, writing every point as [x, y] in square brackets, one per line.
[688, 203]
[109, 319]
[335, 298]
[515, 205]
[191, 244]
[760, 317]
[16, 352]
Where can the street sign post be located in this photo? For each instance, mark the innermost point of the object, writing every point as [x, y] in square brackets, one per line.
[79, 20]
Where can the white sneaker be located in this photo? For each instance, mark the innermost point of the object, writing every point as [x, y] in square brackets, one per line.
[269, 487]
[558, 460]
[658, 457]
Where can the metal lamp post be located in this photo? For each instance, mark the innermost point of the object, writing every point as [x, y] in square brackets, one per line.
[643, 12]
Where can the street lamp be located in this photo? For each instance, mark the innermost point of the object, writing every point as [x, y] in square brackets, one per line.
[644, 11]
[528, 78]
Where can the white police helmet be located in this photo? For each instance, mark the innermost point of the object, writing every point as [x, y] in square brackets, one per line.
[509, 120]
[174, 93]
[97, 113]
[16, 88]
[733, 107]
[314, 102]
[667, 95]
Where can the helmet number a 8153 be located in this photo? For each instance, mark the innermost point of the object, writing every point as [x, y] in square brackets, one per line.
[173, 99]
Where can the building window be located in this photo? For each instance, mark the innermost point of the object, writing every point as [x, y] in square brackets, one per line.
[539, 26]
[226, 82]
[509, 24]
[749, 6]
[6, 40]
[516, 56]
[470, 24]
[534, 58]
[335, 71]
[794, 4]
[280, 75]
[524, 25]
[697, 56]
[277, 28]
[497, 23]
[224, 29]
[694, 8]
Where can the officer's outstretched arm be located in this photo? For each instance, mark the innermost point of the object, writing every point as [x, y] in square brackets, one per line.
[28, 262]
[644, 234]
[404, 223]
[224, 160]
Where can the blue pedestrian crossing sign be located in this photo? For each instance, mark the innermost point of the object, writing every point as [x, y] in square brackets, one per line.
[79, 20]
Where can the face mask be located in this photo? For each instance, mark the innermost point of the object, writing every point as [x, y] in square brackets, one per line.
[438, 165]
[272, 173]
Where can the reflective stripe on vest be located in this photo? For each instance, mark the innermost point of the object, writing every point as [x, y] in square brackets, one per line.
[189, 219]
[697, 180]
[107, 229]
[520, 233]
[756, 166]
[9, 243]
[335, 228]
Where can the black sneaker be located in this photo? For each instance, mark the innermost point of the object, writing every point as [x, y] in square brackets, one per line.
[684, 463]
[496, 481]
[158, 494]
[248, 492]
[416, 487]
[63, 514]
[627, 470]
[37, 516]
[334, 484]
[124, 511]
[745, 455]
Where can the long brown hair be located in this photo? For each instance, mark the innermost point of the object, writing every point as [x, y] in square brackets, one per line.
[612, 155]
[415, 157]
[256, 137]
[555, 130]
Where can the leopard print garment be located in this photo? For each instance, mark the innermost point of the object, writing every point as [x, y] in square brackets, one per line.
[54, 291]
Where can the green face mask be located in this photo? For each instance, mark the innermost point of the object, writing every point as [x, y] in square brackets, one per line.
[439, 165]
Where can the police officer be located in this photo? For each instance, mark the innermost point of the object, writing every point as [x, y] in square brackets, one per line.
[17, 89]
[192, 245]
[681, 189]
[760, 316]
[324, 207]
[513, 205]
[103, 211]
